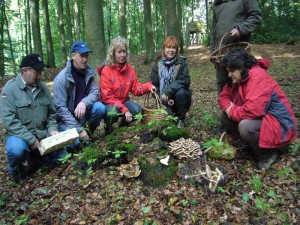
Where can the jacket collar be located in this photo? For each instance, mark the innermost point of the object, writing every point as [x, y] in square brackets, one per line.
[218, 2]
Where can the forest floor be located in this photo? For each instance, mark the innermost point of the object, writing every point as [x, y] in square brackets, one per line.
[66, 195]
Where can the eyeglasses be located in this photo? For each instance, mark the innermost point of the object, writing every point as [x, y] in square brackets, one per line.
[34, 71]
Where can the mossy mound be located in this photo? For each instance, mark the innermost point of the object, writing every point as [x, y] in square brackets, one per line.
[155, 174]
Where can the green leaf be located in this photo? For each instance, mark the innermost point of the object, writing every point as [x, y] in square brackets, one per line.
[153, 200]
[146, 209]
[193, 218]
[271, 194]
[245, 197]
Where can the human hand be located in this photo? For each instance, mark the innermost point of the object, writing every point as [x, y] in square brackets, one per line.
[164, 98]
[153, 89]
[35, 145]
[227, 111]
[54, 133]
[83, 135]
[170, 102]
[235, 33]
[128, 117]
[80, 110]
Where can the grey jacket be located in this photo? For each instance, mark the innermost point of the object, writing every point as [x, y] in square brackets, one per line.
[64, 90]
[27, 115]
[228, 14]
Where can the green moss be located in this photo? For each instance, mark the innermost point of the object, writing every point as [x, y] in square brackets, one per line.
[162, 152]
[91, 154]
[172, 133]
[129, 148]
[156, 174]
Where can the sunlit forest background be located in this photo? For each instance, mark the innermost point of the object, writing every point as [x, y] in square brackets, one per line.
[50, 27]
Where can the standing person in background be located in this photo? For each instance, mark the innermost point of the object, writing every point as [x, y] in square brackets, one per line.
[171, 77]
[240, 18]
[28, 116]
[76, 95]
[117, 80]
[255, 108]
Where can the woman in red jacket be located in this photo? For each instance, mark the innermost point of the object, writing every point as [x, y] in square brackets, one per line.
[255, 107]
[117, 80]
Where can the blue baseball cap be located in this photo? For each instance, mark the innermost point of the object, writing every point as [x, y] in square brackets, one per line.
[80, 46]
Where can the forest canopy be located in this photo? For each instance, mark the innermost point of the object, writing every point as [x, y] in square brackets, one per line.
[50, 27]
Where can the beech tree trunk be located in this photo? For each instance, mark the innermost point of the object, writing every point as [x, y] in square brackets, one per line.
[50, 51]
[36, 31]
[95, 31]
[150, 46]
[122, 18]
[61, 31]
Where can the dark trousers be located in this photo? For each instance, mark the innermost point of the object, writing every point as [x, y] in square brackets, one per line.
[221, 75]
[247, 130]
[182, 103]
[112, 114]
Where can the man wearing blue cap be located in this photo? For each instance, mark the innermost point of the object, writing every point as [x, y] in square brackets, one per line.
[76, 95]
[28, 116]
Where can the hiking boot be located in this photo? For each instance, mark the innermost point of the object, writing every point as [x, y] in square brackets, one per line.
[266, 159]
[180, 124]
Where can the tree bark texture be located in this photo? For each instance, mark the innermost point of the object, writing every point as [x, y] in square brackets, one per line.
[77, 21]
[150, 46]
[69, 23]
[122, 18]
[95, 31]
[35, 22]
[61, 33]
[50, 50]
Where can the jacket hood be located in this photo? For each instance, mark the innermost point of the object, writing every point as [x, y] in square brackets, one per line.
[264, 63]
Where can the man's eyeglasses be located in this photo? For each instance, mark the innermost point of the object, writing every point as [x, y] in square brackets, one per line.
[34, 71]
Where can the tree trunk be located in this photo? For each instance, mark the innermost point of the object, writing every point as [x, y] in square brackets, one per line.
[77, 21]
[148, 32]
[207, 14]
[109, 20]
[10, 43]
[172, 25]
[61, 32]
[179, 24]
[22, 27]
[122, 18]
[69, 24]
[28, 36]
[2, 68]
[36, 32]
[95, 31]
[50, 51]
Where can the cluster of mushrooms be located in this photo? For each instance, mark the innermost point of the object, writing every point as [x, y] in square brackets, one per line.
[185, 148]
[213, 177]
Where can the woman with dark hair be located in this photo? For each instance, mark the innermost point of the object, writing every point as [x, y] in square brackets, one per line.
[255, 107]
[171, 77]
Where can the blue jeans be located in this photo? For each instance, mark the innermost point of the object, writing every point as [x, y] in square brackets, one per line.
[112, 114]
[17, 151]
[93, 117]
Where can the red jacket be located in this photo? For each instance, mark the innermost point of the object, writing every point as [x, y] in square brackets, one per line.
[259, 96]
[116, 82]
